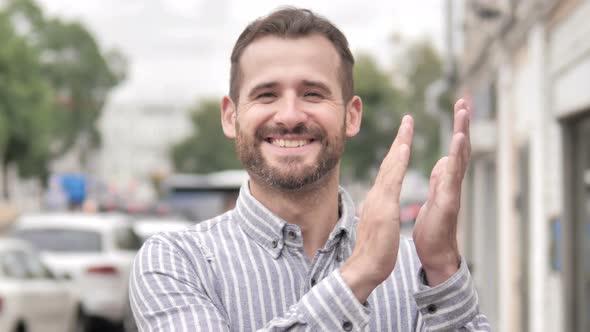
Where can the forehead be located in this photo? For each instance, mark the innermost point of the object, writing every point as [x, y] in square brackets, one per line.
[284, 60]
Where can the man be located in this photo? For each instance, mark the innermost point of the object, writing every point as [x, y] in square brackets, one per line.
[291, 255]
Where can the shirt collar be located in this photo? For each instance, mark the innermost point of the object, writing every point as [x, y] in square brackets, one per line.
[270, 230]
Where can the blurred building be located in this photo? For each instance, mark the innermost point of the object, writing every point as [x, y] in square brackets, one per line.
[526, 211]
[136, 140]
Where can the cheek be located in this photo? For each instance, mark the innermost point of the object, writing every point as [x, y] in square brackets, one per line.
[252, 117]
[333, 123]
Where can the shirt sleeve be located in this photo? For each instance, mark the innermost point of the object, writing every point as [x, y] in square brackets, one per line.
[329, 306]
[452, 305]
[168, 293]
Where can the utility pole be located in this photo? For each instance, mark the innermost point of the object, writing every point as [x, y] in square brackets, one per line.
[443, 85]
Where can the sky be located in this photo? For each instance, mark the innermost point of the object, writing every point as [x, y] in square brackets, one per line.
[178, 50]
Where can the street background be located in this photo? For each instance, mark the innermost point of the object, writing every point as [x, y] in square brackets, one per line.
[112, 107]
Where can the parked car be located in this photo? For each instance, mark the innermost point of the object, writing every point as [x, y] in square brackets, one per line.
[146, 227]
[96, 251]
[32, 299]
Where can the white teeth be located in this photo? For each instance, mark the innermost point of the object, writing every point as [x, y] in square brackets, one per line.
[289, 143]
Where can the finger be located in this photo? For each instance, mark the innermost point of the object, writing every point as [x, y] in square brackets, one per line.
[460, 104]
[454, 171]
[466, 151]
[461, 118]
[392, 171]
[435, 175]
[461, 125]
[404, 135]
[393, 168]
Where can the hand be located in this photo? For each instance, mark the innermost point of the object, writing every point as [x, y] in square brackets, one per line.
[435, 232]
[377, 243]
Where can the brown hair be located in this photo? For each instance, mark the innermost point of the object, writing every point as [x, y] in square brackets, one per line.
[290, 22]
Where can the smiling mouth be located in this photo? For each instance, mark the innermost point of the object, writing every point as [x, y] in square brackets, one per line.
[286, 143]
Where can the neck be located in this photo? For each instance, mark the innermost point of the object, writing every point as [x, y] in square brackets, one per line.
[314, 208]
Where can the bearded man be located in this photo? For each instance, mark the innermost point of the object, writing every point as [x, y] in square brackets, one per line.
[292, 256]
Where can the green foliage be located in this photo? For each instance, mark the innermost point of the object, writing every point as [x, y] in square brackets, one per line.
[54, 81]
[207, 150]
[78, 72]
[81, 77]
[381, 116]
[384, 104]
[25, 104]
[422, 66]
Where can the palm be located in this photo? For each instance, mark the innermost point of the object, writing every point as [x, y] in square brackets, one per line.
[435, 232]
[436, 222]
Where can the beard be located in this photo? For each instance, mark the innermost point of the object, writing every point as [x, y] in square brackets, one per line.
[292, 175]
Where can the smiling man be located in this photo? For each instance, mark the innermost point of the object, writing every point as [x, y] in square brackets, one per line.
[292, 255]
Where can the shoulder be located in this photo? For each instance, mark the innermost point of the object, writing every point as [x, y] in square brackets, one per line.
[210, 227]
[192, 242]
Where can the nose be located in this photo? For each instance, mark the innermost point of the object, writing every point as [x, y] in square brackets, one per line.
[290, 112]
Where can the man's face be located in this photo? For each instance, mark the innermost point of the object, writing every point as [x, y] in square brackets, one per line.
[290, 125]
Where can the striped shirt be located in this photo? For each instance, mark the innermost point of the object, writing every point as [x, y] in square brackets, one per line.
[246, 270]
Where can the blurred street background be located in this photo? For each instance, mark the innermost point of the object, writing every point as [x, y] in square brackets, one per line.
[110, 132]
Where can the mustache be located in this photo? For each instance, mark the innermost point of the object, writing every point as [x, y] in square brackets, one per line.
[263, 132]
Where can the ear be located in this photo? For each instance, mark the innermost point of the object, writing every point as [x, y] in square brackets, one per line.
[354, 114]
[228, 117]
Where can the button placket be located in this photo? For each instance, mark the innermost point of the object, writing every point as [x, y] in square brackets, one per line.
[338, 254]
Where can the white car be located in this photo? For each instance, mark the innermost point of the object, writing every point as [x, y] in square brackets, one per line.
[96, 251]
[31, 298]
[146, 227]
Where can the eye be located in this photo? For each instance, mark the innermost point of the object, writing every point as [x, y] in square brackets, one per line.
[266, 95]
[313, 95]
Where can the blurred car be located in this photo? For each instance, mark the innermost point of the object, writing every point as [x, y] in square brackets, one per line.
[96, 251]
[146, 227]
[31, 298]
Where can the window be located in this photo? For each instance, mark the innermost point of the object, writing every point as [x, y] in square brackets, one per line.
[63, 240]
[36, 269]
[126, 239]
[13, 265]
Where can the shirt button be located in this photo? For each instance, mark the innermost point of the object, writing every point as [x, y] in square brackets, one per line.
[338, 258]
[347, 326]
[313, 282]
[274, 244]
[431, 308]
[292, 235]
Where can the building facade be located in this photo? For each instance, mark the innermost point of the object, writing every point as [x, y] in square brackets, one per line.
[136, 143]
[526, 66]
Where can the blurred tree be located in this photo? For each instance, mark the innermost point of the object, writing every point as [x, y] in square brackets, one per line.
[382, 112]
[54, 81]
[25, 107]
[79, 73]
[81, 77]
[207, 150]
[418, 65]
[386, 98]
